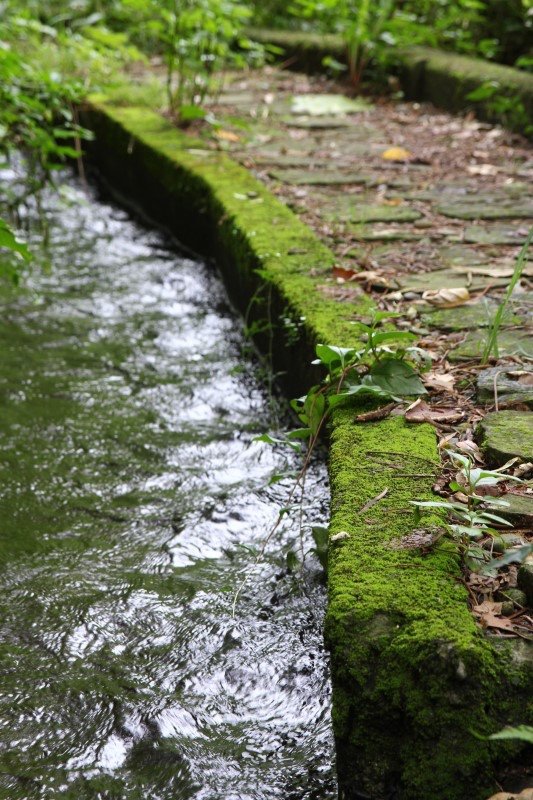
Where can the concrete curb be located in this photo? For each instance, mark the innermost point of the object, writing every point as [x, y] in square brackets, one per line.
[412, 674]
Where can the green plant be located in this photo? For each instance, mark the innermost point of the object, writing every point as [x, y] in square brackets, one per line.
[361, 26]
[491, 346]
[198, 40]
[522, 732]
[380, 370]
[470, 521]
[37, 117]
[510, 110]
[17, 252]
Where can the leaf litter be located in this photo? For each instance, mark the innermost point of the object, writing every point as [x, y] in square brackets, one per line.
[473, 258]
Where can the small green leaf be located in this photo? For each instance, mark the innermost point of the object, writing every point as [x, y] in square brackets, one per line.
[299, 433]
[515, 556]
[321, 539]
[292, 560]
[522, 732]
[397, 377]
[10, 242]
[330, 355]
[344, 398]
[392, 337]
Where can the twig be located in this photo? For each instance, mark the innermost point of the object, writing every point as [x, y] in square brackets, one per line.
[374, 500]
[495, 385]
[377, 414]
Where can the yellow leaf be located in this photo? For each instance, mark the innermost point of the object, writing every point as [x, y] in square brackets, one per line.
[227, 136]
[396, 154]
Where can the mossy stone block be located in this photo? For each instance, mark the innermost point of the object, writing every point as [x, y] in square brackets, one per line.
[496, 234]
[506, 434]
[519, 511]
[509, 382]
[315, 177]
[462, 318]
[462, 210]
[362, 212]
[510, 343]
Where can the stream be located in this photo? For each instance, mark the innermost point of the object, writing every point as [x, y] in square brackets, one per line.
[132, 499]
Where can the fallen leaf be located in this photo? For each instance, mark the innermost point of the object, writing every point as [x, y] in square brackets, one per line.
[396, 154]
[345, 273]
[420, 411]
[227, 136]
[471, 449]
[447, 298]
[482, 169]
[439, 380]
[371, 277]
[492, 621]
[488, 607]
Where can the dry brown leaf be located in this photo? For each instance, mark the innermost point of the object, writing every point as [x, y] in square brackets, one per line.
[396, 154]
[345, 273]
[447, 298]
[421, 412]
[488, 614]
[372, 277]
[471, 449]
[439, 380]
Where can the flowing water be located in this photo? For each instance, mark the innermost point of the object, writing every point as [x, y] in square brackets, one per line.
[132, 496]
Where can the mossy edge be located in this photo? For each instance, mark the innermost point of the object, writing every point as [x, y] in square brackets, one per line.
[412, 675]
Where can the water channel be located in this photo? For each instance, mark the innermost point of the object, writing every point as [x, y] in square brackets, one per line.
[132, 495]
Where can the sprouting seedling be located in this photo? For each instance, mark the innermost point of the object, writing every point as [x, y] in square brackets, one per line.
[378, 371]
[474, 478]
[469, 521]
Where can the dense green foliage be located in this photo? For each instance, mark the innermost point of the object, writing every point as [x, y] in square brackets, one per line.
[500, 30]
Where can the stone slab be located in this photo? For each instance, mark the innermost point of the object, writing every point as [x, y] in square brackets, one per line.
[479, 315]
[519, 511]
[307, 177]
[505, 435]
[496, 234]
[514, 384]
[472, 211]
[348, 210]
[327, 104]
[510, 343]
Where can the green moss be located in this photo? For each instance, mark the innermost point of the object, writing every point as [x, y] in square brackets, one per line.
[412, 675]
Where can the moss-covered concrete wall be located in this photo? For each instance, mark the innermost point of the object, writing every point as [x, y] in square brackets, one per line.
[412, 675]
[426, 74]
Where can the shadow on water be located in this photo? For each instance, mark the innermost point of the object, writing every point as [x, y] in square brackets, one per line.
[131, 492]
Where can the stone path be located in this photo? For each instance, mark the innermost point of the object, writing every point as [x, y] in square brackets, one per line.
[427, 212]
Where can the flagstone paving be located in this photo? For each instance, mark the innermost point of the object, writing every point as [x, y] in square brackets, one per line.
[416, 203]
